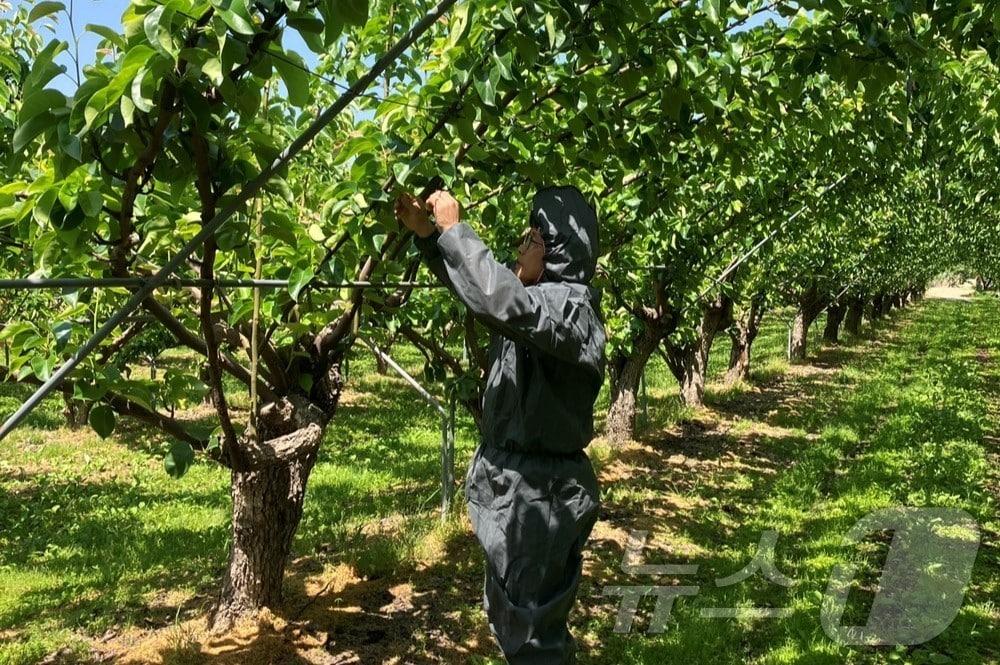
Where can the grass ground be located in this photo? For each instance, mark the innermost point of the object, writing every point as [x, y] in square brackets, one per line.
[104, 557]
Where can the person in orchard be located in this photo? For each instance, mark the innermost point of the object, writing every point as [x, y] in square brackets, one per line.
[531, 490]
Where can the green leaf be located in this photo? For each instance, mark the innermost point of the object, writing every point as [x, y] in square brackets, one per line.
[44, 69]
[90, 202]
[460, 24]
[102, 419]
[672, 69]
[39, 102]
[108, 34]
[306, 382]
[351, 12]
[30, 130]
[486, 85]
[157, 27]
[143, 103]
[178, 459]
[62, 332]
[213, 70]
[297, 280]
[306, 24]
[713, 8]
[70, 144]
[237, 17]
[401, 170]
[550, 28]
[295, 78]
[45, 8]
[42, 367]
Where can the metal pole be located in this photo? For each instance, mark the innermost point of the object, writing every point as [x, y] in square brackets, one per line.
[448, 462]
[36, 283]
[246, 193]
[430, 399]
[447, 429]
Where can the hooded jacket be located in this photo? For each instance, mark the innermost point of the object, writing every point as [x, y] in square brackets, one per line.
[546, 356]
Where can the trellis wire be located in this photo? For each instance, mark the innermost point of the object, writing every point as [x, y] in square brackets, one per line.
[743, 259]
[255, 185]
[185, 282]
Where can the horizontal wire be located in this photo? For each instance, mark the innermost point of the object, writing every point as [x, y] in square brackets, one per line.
[39, 283]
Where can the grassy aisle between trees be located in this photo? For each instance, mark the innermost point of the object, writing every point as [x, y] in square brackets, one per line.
[101, 553]
[909, 419]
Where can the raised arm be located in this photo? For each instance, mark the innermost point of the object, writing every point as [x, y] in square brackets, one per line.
[553, 321]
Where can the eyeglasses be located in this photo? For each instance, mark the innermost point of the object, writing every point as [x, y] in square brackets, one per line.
[528, 238]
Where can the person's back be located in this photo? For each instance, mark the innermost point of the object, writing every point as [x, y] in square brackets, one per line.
[532, 493]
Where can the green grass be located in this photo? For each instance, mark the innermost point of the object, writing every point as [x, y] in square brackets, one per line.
[905, 422]
[94, 534]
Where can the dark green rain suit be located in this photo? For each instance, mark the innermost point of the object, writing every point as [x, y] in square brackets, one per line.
[531, 489]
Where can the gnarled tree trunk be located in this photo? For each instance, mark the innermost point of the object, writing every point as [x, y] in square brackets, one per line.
[689, 362]
[268, 489]
[267, 508]
[855, 313]
[811, 304]
[835, 314]
[626, 373]
[743, 333]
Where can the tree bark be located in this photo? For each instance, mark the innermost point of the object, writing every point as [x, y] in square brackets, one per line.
[267, 508]
[811, 303]
[835, 314]
[689, 362]
[743, 333]
[855, 313]
[877, 308]
[268, 489]
[76, 412]
[626, 373]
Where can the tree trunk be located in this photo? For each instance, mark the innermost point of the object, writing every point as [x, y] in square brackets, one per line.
[877, 308]
[855, 312]
[834, 317]
[76, 412]
[811, 303]
[798, 345]
[206, 379]
[267, 508]
[268, 487]
[686, 365]
[626, 373]
[886, 305]
[689, 362]
[743, 334]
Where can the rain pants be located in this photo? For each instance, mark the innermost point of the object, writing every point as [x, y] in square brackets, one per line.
[531, 490]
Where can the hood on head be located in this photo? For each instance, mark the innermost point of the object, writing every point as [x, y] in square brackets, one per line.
[568, 225]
